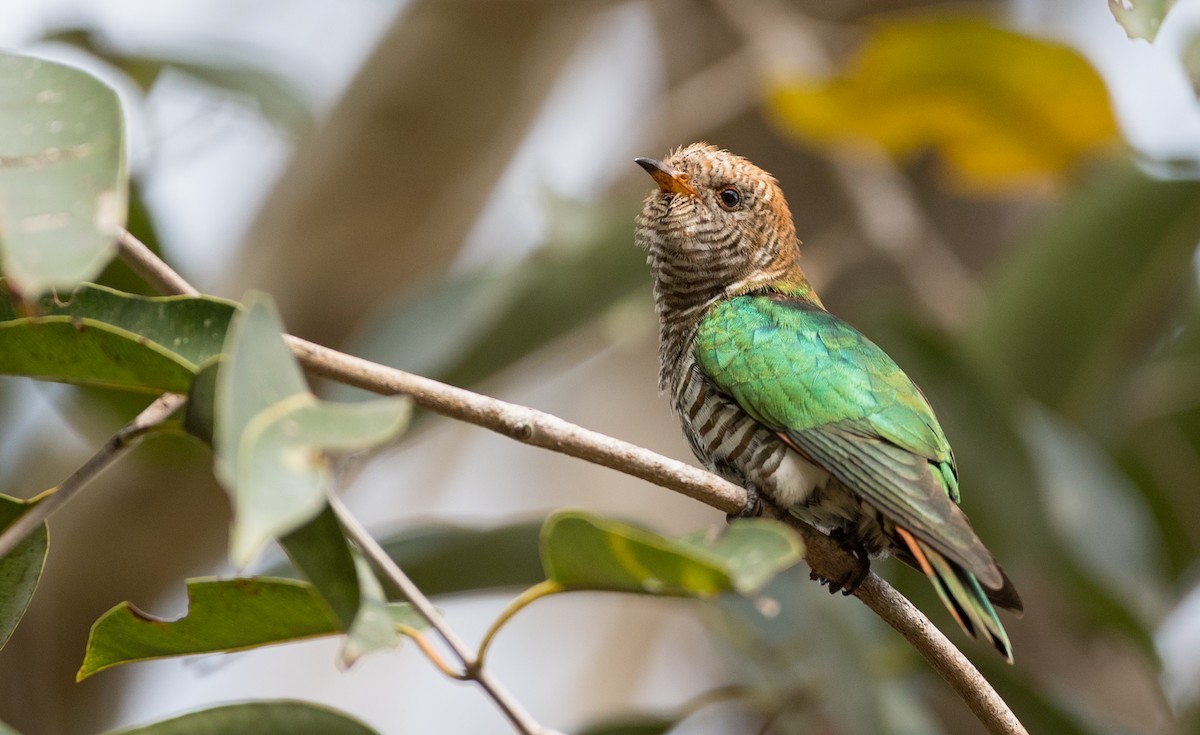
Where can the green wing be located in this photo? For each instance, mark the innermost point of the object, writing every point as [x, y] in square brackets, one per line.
[840, 400]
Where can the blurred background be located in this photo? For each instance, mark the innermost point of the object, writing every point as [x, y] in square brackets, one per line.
[1004, 195]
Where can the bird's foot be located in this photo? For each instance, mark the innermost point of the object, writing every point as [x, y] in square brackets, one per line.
[850, 581]
[752, 509]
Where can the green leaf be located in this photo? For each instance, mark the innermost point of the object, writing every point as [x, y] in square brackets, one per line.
[1004, 110]
[320, 551]
[62, 174]
[581, 551]
[20, 569]
[449, 559]
[272, 436]
[100, 337]
[1086, 292]
[283, 473]
[7, 730]
[632, 725]
[223, 615]
[374, 627]
[271, 717]
[1140, 18]
[259, 371]
[753, 550]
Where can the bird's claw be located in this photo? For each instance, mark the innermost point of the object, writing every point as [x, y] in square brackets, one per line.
[752, 509]
[849, 582]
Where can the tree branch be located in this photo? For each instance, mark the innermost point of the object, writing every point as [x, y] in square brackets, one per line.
[530, 426]
[473, 669]
[115, 448]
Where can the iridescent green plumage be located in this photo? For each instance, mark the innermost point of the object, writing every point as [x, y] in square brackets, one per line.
[777, 394]
[843, 404]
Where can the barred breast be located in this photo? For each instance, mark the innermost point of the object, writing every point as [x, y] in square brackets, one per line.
[731, 443]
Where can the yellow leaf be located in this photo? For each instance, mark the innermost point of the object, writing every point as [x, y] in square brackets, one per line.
[1005, 111]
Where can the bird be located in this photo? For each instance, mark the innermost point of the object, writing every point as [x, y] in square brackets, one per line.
[778, 395]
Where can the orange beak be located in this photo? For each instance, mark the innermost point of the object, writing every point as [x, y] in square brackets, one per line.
[667, 178]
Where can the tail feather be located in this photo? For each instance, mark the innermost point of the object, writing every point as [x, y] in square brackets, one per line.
[961, 593]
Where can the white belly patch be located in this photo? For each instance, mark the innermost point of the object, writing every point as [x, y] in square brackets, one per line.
[795, 479]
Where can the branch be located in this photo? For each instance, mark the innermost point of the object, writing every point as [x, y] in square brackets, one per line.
[115, 448]
[162, 277]
[473, 669]
[530, 426]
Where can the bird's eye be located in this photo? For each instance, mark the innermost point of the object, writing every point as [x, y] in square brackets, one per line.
[730, 198]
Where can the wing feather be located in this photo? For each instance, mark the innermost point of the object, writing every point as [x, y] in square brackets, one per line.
[840, 400]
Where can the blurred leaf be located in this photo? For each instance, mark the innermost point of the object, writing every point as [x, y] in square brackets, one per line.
[1161, 447]
[1190, 59]
[1088, 289]
[465, 327]
[1004, 110]
[448, 559]
[1098, 514]
[20, 569]
[1042, 708]
[199, 411]
[273, 717]
[223, 615]
[62, 174]
[276, 98]
[6, 730]
[444, 559]
[1140, 18]
[283, 470]
[374, 626]
[258, 372]
[443, 319]
[101, 337]
[632, 725]
[583, 551]
[273, 436]
[754, 551]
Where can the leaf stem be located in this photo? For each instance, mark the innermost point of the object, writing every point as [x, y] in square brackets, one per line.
[526, 598]
[116, 447]
[825, 556]
[431, 653]
[516, 714]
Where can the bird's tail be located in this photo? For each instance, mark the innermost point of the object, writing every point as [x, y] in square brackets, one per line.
[961, 593]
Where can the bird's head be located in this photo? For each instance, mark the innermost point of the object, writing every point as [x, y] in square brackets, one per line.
[716, 222]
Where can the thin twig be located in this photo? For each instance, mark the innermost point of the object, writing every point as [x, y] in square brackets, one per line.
[825, 556]
[151, 268]
[472, 668]
[116, 447]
